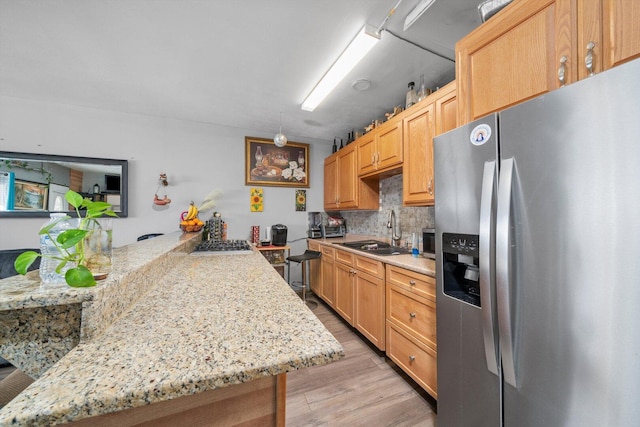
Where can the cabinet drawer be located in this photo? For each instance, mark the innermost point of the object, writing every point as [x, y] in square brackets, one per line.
[344, 257]
[368, 265]
[327, 252]
[314, 246]
[419, 283]
[413, 313]
[413, 357]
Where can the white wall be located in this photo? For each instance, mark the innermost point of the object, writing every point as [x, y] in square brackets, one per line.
[197, 158]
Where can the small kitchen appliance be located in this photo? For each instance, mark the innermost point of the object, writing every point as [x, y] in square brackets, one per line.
[315, 223]
[279, 235]
[335, 226]
[429, 243]
[333, 231]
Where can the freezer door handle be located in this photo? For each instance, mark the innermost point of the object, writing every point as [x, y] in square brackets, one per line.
[487, 275]
[503, 269]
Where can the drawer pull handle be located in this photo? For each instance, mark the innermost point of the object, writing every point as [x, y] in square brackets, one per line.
[412, 282]
[412, 358]
[412, 314]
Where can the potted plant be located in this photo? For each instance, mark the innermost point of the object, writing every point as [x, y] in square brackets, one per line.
[74, 244]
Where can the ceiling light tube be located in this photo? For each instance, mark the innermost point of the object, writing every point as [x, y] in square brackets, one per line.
[417, 13]
[357, 49]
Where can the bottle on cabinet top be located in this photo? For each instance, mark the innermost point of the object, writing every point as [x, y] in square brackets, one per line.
[412, 96]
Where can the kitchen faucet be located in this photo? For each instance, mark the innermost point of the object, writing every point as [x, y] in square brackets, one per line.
[395, 238]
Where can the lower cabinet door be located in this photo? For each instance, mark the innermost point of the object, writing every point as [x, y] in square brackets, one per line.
[415, 358]
[370, 315]
[344, 291]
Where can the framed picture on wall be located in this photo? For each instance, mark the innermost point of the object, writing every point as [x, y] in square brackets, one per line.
[269, 165]
[30, 195]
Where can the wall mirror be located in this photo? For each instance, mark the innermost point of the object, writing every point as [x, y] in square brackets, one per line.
[33, 185]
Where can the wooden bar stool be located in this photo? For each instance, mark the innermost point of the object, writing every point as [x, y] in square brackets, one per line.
[304, 259]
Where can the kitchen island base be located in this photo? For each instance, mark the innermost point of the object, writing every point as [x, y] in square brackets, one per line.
[255, 403]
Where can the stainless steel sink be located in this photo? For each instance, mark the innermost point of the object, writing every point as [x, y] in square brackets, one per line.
[375, 247]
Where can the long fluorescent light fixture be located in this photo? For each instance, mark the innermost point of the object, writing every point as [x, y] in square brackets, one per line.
[417, 13]
[364, 41]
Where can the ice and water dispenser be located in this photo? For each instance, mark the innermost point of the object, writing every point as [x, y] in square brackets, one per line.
[460, 259]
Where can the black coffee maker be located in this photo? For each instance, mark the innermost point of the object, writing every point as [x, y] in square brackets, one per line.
[279, 235]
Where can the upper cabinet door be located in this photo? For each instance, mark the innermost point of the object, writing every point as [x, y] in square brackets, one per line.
[366, 153]
[621, 31]
[331, 182]
[514, 56]
[446, 109]
[417, 177]
[389, 144]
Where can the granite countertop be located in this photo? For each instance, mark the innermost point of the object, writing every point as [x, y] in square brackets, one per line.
[419, 265]
[210, 322]
[41, 323]
[27, 292]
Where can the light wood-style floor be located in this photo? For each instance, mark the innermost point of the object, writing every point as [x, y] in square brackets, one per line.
[363, 389]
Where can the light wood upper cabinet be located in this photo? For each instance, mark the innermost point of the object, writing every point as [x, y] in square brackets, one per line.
[437, 114]
[417, 177]
[534, 46]
[331, 182]
[513, 56]
[621, 31]
[366, 153]
[446, 109]
[381, 151]
[342, 188]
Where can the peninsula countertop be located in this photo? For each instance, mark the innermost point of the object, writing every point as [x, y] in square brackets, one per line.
[210, 322]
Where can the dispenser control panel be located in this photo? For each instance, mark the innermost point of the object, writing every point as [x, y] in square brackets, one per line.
[460, 259]
[463, 244]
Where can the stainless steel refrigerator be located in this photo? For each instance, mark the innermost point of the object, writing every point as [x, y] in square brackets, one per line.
[538, 260]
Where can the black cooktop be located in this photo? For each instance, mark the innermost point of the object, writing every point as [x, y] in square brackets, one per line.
[223, 246]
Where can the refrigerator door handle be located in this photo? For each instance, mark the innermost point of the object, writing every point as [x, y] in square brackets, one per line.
[503, 270]
[487, 275]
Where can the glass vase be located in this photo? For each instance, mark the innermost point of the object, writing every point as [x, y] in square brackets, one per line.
[98, 247]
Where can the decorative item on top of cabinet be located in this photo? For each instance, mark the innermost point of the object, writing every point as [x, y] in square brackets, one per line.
[542, 45]
[411, 325]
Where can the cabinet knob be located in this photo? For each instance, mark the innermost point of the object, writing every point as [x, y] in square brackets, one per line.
[588, 58]
[412, 314]
[430, 186]
[412, 358]
[412, 282]
[373, 159]
[562, 70]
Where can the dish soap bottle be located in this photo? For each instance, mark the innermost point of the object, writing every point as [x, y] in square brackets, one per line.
[412, 96]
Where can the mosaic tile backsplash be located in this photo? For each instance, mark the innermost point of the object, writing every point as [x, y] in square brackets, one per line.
[374, 223]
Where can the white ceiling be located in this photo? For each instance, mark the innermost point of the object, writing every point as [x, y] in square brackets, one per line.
[235, 63]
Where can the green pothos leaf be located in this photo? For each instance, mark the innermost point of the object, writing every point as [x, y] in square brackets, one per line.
[79, 277]
[73, 198]
[24, 261]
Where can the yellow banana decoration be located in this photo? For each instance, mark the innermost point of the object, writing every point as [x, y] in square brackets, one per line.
[193, 211]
